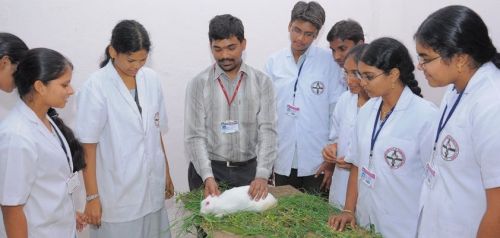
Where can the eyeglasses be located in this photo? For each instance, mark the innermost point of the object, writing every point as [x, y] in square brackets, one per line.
[422, 61]
[351, 74]
[368, 77]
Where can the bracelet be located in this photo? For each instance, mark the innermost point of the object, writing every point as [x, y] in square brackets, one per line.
[91, 197]
[348, 211]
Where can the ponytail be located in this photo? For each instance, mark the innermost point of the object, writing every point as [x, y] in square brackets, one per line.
[75, 147]
[496, 60]
[107, 58]
[410, 81]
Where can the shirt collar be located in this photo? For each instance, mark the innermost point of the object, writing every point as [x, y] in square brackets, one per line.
[218, 71]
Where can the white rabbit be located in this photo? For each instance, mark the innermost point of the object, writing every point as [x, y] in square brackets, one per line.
[235, 200]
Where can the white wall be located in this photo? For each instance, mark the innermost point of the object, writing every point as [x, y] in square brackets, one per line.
[81, 30]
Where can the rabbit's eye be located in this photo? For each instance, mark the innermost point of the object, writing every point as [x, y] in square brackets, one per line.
[207, 202]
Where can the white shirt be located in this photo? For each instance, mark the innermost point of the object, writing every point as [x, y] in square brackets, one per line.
[341, 132]
[319, 86]
[33, 173]
[467, 159]
[398, 164]
[130, 163]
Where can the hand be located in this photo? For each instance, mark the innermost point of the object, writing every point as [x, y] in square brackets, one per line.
[327, 169]
[169, 187]
[342, 164]
[93, 212]
[258, 189]
[330, 153]
[211, 187]
[80, 221]
[338, 222]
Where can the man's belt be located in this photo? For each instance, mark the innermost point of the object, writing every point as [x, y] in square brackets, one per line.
[231, 164]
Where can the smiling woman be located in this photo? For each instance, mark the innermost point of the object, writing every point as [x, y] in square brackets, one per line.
[40, 155]
[454, 48]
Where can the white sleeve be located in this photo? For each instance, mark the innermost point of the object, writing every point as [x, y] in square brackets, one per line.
[353, 152]
[163, 111]
[91, 113]
[336, 120]
[336, 87]
[17, 169]
[486, 142]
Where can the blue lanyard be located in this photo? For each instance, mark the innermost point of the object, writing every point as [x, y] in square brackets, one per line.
[297, 80]
[441, 124]
[375, 132]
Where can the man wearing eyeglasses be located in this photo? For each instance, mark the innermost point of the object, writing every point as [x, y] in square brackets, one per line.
[308, 83]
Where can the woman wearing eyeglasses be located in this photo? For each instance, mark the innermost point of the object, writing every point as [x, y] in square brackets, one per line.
[388, 151]
[461, 194]
[343, 122]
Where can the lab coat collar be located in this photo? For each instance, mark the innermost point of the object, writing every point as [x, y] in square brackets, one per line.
[476, 79]
[403, 101]
[125, 93]
[29, 114]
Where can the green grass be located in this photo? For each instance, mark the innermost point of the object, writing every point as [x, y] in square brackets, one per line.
[300, 215]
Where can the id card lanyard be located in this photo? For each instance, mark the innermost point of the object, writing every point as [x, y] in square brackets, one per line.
[297, 81]
[235, 92]
[376, 132]
[442, 124]
[64, 148]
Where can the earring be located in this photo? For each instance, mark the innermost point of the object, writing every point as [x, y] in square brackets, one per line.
[393, 85]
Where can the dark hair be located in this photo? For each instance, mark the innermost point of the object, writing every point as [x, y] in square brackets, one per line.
[224, 27]
[346, 30]
[46, 65]
[311, 12]
[458, 30]
[356, 52]
[128, 36]
[12, 46]
[386, 54]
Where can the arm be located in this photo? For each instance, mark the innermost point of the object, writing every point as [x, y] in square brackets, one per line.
[490, 224]
[169, 185]
[93, 207]
[267, 140]
[347, 216]
[195, 134]
[15, 222]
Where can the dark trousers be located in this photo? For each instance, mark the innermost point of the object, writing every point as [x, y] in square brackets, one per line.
[308, 184]
[236, 176]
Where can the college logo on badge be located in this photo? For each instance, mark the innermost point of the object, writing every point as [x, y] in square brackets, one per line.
[317, 87]
[449, 148]
[157, 119]
[394, 157]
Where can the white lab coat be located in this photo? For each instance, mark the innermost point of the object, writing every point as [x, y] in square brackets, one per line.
[392, 204]
[130, 163]
[33, 173]
[319, 87]
[456, 203]
[343, 124]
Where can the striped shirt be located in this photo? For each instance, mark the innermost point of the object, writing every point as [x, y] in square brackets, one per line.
[254, 107]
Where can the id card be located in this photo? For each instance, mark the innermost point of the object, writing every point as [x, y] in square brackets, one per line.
[368, 177]
[229, 126]
[73, 183]
[292, 110]
[430, 175]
